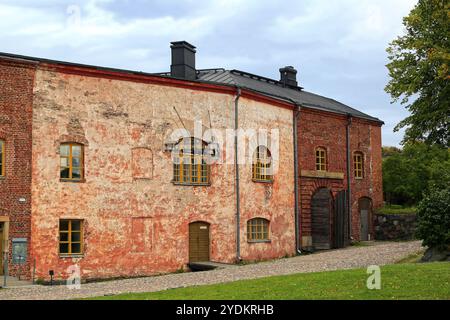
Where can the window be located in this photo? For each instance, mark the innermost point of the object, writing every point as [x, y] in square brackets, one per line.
[2, 158]
[190, 165]
[70, 237]
[258, 230]
[321, 159]
[262, 165]
[71, 161]
[358, 160]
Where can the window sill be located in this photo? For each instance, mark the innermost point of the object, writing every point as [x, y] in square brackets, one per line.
[262, 181]
[73, 181]
[322, 174]
[359, 179]
[70, 256]
[206, 184]
[259, 241]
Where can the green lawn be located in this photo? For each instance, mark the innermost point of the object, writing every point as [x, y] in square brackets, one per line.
[399, 281]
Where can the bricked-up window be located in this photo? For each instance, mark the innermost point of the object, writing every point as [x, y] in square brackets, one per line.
[70, 237]
[358, 160]
[258, 230]
[2, 158]
[71, 155]
[262, 165]
[321, 159]
[190, 162]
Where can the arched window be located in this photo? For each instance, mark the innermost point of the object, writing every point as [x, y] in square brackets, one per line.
[258, 230]
[262, 165]
[71, 161]
[190, 164]
[358, 165]
[2, 158]
[321, 159]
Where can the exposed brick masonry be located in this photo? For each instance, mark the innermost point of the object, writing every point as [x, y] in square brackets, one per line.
[16, 96]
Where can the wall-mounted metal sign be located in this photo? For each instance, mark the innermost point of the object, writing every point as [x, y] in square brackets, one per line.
[19, 250]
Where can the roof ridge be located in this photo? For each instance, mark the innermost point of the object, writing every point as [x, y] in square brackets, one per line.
[265, 79]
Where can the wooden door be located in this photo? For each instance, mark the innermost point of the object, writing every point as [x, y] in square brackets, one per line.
[198, 242]
[365, 205]
[364, 224]
[340, 221]
[320, 219]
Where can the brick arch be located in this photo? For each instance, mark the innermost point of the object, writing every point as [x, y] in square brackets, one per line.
[71, 138]
[308, 186]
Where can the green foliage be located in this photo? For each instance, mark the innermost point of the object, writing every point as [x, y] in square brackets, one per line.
[399, 281]
[412, 171]
[433, 215]
[389, 151]
[397, 209]
[419, 72]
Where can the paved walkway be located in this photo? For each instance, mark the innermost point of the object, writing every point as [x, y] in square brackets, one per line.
[353, 257]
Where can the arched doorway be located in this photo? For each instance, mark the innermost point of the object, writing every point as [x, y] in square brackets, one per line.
[198, 242]
[365, 214]
[321, 206]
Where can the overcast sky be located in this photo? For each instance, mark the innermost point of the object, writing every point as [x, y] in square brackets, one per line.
[338, 46]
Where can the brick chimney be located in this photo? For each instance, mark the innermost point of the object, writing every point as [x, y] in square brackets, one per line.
[183, 60]
[288, 76]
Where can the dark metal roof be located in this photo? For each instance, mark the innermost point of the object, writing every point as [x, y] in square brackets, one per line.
[259, 84]
[276, 89]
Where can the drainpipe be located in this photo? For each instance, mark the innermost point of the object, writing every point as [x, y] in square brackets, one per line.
[236, 166]
[349, 194]
[296, 181]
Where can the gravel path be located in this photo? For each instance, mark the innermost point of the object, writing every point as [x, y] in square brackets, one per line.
[353, 257]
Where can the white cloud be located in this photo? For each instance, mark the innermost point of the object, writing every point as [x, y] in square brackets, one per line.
[338, 46]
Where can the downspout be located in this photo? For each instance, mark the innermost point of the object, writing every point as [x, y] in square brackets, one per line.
[349, 190]
[236, 166]
[296, 181]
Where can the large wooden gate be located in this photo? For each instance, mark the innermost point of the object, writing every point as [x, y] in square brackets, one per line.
[198, 242]
[340, 222]
[321, 204]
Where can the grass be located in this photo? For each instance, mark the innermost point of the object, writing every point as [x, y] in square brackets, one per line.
[398, 281]
[412, 258]
[397, 209]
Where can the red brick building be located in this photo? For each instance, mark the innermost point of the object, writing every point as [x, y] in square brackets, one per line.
[94, 175]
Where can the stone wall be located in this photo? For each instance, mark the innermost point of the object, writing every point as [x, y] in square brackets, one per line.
[395, 226]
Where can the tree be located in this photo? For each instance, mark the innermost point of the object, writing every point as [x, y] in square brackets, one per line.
[409, 173]
[433, 215]
[389, 151]
[419, 72]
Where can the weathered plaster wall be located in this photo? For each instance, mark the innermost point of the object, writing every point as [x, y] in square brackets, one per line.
[136, 223]
[16, 93]
[320, 129]
[273, 201]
